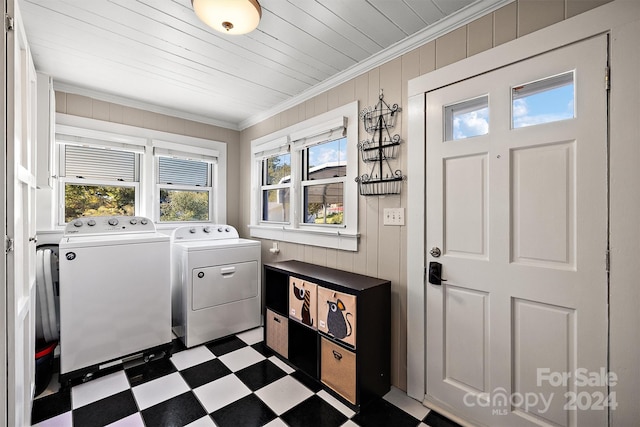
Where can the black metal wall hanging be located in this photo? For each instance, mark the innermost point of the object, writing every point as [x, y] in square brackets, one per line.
[377, 150]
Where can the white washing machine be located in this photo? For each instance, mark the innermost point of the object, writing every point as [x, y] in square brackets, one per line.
[216, 283]
[115, 293]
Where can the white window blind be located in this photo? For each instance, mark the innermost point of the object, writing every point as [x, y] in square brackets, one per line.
[99, 163]
[209, 156]
[272, 148]
[63, 138]
[183, 172]
[328, 131]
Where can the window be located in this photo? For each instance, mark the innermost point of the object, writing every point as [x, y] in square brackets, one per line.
[305, 185]
[467, 119]
[543, 101]
[184, 188]
[276, 188]
[111, 169]
[98, 181]
[325, 170]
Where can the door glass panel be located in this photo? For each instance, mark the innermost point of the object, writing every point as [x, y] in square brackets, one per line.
[466, 119]
[543, 101]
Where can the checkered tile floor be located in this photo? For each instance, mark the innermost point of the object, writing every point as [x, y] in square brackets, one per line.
[235, 381]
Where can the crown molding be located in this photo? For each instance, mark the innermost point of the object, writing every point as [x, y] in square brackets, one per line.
[427, 34]
[127, 102]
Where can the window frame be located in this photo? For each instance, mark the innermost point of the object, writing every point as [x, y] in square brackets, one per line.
[84, 131]
[169, 150]
[296, 139]
[306, 182]
[65, 137]
[274, 187]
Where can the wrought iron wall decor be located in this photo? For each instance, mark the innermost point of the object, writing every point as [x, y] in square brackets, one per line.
[376, 151]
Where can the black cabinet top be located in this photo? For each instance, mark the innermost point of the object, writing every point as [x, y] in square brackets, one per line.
[318, 274]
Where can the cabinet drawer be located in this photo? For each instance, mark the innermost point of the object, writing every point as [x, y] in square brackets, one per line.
[337, 315]
[278, 333]
[303, 302]
[338, 369]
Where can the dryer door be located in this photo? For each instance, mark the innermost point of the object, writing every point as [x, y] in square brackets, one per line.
[222, 284]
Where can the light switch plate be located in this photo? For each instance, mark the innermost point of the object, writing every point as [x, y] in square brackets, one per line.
[393, 216]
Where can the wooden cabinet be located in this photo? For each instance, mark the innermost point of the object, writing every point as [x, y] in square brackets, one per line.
[338, 327]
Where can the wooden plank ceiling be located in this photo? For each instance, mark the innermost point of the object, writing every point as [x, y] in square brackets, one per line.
[157, 52]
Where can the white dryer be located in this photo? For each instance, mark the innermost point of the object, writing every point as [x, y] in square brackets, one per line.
[115, 293]
[216, 287]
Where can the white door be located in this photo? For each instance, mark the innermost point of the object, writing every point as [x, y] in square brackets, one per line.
[20, 215]
[519, 213]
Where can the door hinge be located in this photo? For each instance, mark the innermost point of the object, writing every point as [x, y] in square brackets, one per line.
[607, 260]
[8, 22]
[607, 83]
[8, 244]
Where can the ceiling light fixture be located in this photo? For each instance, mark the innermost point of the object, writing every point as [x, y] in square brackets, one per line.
[229, 16]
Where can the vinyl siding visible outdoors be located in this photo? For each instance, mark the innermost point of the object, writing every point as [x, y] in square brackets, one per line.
[381, 249]
[78, 105]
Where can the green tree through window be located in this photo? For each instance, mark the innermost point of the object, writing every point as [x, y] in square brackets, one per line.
[98, 200]
[184, 205]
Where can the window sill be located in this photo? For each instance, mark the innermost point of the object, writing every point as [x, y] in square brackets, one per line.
[334, 239]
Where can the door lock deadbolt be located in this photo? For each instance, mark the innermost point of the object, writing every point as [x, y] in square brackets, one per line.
[435, 252]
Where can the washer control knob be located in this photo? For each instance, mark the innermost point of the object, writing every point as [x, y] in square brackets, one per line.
[133, 221]
[113, 221]
[77, 223]
[91, 223]
[227, 229]
[219, 229]
[207, 229]
[192, 230]
[144, 221]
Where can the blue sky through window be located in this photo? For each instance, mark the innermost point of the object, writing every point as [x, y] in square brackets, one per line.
[473, 123]
[544, 107]
[543, 101]
[328, 152]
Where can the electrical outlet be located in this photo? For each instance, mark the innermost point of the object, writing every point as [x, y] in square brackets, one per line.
[393, 216]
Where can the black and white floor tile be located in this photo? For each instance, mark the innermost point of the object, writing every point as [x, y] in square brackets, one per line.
[234, 381]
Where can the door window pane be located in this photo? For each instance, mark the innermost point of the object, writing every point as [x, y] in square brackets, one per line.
[467, 119]
[323, 203]
[184, 205]
[97, 200]
[543, 101]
